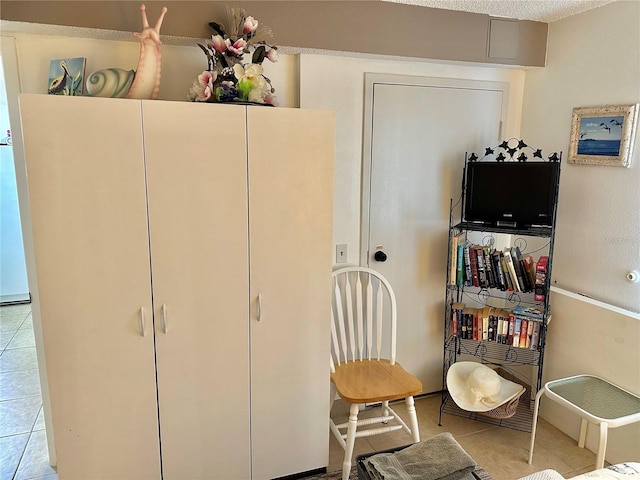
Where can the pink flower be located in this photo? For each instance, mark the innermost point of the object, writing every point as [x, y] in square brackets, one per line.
[250, 25]
[218, 44]
[237, 47]
[207, 78]
[271, 99]
[272, 55]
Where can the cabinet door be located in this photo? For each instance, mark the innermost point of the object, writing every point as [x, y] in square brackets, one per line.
[290, 204]
[196, 165]
[88, 213]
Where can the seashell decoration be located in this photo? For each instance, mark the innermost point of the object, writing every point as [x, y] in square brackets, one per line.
[110, 82]
[144, 82]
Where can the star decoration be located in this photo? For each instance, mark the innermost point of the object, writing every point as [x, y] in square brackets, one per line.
[521, 144]
[473, 157]
[500, 157]
[522, 157]
[512, 151]
[538, 153]
[488, 151]
[504, 145]
[554, 157]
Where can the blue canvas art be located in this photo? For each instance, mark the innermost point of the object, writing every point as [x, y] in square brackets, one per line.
[600, 135]
[66, 76]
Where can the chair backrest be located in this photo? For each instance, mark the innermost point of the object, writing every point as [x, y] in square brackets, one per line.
[363, 311]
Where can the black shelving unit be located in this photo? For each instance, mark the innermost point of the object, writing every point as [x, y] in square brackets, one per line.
[521, 365]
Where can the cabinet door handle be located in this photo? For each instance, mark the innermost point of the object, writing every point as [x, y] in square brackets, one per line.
[165, 325]
[142, 322]
[259, 307]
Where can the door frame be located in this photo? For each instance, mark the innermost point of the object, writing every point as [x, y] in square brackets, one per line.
[373, 79]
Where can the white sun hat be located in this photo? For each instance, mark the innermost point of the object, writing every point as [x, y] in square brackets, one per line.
[478, 388]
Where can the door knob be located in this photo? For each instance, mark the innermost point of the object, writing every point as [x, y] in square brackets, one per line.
[380, 256]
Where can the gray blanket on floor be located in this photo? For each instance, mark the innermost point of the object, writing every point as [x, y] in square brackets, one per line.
[438, 458]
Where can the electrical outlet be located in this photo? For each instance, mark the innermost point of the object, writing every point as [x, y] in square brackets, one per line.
[341, 253]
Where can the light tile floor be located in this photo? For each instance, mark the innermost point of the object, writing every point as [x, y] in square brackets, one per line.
[502, 452]
[23, 443]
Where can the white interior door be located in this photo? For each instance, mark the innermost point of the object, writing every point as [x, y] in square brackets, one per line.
[198, 222]
[417, 131]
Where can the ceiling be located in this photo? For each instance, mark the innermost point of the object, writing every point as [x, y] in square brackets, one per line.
[538, 10]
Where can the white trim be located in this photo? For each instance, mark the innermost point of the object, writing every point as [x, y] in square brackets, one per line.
[597, 303]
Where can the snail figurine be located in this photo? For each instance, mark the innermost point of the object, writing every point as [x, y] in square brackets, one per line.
[142, 83]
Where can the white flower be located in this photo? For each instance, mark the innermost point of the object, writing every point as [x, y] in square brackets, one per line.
[249, 72]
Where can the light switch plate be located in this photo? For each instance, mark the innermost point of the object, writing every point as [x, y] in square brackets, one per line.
[341, 253]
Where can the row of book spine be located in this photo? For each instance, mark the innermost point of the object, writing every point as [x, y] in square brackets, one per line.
[486, 267]
[517, 328]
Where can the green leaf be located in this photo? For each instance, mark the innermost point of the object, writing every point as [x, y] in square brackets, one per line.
[259, 54]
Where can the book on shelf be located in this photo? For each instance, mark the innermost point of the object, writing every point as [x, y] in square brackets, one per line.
[488, 262]
[535, 336]
[485, 324]
[515, 256]
[528, 287]
[531, 270]
[511, 269]
[468, 274]
[500, 328]
[523, 333]
[453, 267]
[464, 324]
[456, 318]
[541, 278]
[530, 312]
[491, 324]
[477, 325]
[497, 268]
[515, 342]
[529, 334]
[512, 326]
[505, 270]
[460, 265]
[482, 272]
[473, 262]
[505, 327]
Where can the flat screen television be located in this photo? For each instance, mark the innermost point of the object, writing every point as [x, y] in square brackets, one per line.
[511, 194]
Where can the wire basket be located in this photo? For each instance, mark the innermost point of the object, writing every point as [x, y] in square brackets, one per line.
[507, 409]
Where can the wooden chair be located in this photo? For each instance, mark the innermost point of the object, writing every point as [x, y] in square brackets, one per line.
[363, 367]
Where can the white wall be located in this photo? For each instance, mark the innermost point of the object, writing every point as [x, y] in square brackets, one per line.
[592, 59]
[337, 83]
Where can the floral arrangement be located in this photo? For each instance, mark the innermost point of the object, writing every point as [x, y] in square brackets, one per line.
[227, 78]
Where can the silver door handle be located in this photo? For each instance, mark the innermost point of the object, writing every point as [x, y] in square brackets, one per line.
[259, 307]
[163, 312]
[142, 322]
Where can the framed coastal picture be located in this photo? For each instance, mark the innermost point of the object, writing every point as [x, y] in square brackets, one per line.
[66, 76]
[603, 135]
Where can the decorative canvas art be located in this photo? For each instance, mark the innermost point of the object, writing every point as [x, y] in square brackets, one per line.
[66, 76]
[603, 135]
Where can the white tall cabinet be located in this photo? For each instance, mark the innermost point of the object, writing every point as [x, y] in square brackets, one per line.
[183, 259]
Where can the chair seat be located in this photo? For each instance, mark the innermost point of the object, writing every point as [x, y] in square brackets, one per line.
[367, 381]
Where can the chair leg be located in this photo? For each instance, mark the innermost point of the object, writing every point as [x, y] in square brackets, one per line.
[385, 409]
[350, 440]
[413, 419]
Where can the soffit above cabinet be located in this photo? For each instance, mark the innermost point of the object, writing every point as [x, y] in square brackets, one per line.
[390, 29]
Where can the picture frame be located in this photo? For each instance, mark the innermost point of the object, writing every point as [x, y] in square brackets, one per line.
[603, 135]
[66, 76]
